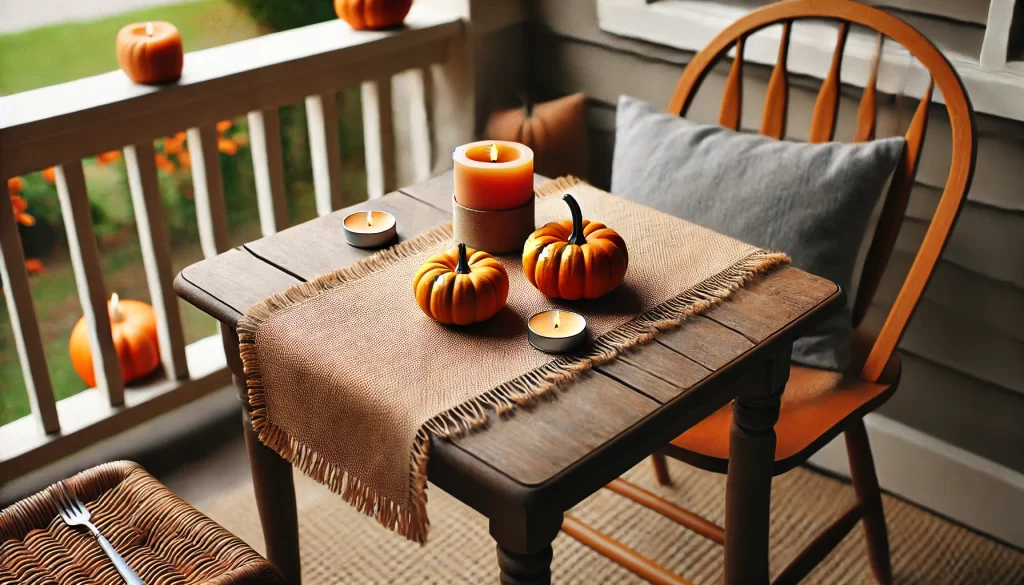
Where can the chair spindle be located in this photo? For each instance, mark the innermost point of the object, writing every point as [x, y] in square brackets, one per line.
[683, 517]
[729, 114]
[893, 209]
[773, 121]
[867, 110]
[633, 561]
[823, 120]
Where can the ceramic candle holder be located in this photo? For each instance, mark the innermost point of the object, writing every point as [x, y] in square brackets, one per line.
[557, 331]
[370, 229]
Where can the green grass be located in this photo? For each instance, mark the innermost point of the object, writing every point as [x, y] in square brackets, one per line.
[64, 52]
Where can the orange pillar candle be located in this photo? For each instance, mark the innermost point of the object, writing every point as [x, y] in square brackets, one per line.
[493, 175]
[150, 52]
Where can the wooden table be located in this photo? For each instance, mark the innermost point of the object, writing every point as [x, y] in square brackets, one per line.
[526, 470]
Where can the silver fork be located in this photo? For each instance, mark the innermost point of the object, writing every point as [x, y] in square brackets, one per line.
[74, 513]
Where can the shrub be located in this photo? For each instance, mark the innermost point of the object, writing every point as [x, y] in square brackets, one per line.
[282, 15]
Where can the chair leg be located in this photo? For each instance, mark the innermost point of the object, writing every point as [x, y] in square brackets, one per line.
[661, 469]
[865, 482]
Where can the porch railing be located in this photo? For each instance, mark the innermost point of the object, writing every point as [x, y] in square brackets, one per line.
[60, 125]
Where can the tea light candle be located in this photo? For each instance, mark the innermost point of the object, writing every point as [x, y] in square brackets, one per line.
[493, 175]
[556, 331]
[370, 229]
[150, 52]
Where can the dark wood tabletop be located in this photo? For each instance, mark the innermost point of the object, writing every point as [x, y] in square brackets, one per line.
[529, 467]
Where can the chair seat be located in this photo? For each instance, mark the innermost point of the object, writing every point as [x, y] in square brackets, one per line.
[815, 408]
[159, 535]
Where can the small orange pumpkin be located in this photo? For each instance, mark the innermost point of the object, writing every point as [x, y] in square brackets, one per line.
[150, 52]
[461, 286]
[372, 14]
[133, 328]
[555, 130]
[575, 259]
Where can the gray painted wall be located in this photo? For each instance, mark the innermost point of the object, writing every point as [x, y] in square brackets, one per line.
[963, 378]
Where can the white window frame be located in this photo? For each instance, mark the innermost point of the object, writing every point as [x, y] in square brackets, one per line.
[995, 86]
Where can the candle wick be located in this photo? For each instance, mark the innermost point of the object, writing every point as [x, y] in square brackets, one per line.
[369, 218]
[494, 152]
[556, 325]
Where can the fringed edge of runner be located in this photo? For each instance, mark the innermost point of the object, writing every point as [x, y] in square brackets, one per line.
[410, 519]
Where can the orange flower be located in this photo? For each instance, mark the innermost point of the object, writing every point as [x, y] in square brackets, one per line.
[175, 144]
[20, 205]
[164, 164]
[223, 126]
[185, 159]
[227, 146]
[50, 175]
[15, 185]
[108, 157]
[34, 266]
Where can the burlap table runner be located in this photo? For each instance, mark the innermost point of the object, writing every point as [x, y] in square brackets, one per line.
[348, 378]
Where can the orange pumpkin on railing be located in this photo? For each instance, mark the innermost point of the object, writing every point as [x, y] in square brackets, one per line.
[372, 14]
[133, 328]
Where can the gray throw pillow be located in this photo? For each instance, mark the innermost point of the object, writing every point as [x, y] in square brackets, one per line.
[811, 201]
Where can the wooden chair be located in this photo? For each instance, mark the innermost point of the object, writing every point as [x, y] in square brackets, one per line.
[816, 405]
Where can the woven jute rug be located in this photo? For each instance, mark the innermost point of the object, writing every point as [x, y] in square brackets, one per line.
[341, 546]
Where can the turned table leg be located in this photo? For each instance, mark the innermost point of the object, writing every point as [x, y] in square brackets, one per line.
[748, 487]
[271, 479]
[524, 545]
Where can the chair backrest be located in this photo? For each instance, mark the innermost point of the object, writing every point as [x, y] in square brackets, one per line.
[823, 121]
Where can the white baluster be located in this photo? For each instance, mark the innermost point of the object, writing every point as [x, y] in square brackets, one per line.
[85, 259]
[268, 167]
[378, 137]
[24, 324]
[209, 190]
[322, 121]
[156, 256]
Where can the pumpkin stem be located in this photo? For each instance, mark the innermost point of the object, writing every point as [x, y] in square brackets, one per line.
[115, 308]
[463, 265]
[576, 238]
[527, 104]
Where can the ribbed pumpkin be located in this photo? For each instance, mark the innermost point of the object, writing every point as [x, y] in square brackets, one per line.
[150, 52]
[575, 259]
[133, 328]
[372, 14]
[461, 286]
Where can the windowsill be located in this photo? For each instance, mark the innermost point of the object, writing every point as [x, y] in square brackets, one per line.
[691, 24]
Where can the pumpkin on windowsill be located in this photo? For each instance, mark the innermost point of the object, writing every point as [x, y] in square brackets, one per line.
[372, 14]
[575, 259]
[133, 329]
[461, 286]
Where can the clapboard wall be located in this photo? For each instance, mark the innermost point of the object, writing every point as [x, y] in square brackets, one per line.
[963, 379]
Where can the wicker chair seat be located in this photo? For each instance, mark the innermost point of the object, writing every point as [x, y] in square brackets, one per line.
[165, 540]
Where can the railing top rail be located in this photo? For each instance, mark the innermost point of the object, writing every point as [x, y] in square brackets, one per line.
[41, 127]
